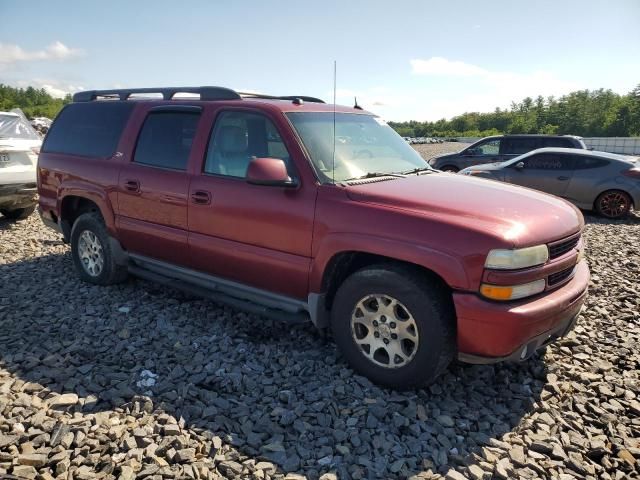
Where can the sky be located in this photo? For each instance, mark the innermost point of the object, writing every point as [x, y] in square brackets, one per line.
[402, 59]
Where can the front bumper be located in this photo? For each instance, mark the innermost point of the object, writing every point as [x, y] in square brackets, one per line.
[17, 195]
[493, 331]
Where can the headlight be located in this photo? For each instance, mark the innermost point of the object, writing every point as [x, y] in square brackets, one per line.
[499, 292]
[520, 258]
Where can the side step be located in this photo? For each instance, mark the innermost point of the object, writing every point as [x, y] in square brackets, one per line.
[294, 317]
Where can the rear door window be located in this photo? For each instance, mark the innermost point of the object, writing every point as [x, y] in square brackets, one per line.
[557, 142]
[89, 129]
[518, 146]
[165, 139]
[585, 163]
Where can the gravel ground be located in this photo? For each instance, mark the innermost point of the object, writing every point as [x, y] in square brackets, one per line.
[139, 381]
[430, 150]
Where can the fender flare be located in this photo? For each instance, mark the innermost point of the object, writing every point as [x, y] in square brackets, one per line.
[443, 264]
[89, 192]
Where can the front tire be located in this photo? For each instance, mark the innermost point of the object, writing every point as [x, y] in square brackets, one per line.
[18, 213]
[92, 251]
[613, 204]
[394, 325]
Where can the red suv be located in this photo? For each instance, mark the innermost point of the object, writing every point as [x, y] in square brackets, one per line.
[294, 209]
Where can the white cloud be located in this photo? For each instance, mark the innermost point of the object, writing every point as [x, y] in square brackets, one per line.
[11, 53]
[487, 89]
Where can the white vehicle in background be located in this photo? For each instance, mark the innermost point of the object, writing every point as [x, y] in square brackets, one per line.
[19, 148]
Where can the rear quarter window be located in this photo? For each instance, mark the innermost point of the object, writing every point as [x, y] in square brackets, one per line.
[88, 129]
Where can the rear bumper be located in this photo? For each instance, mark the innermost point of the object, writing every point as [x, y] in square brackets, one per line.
[491, 331]
[19, 195]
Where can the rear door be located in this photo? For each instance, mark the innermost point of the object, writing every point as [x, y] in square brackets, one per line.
[547, 172]
[153, 184]
[257, 235]
[589, 173]
[513, 146]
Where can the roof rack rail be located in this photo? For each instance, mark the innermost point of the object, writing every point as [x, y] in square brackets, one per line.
[304, 98]
[206, 93]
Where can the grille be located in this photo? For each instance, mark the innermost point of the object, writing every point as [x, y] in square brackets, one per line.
[558, 277]
[558, 249]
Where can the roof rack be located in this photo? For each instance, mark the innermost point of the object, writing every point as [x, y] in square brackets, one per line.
[293, 98]
[206, 93]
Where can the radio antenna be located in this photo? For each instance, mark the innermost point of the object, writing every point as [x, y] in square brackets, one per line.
[333, 164]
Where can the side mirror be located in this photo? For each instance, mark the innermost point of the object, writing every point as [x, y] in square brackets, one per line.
[519, 165]
[271, 172]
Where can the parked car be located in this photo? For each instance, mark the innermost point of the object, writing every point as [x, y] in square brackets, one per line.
[19, 148]
[197, 194]
[600, 181]
[500, 148]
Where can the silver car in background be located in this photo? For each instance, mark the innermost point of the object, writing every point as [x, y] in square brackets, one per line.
[19, 148]
[600, 181]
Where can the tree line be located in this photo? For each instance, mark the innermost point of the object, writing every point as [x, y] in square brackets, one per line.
[595, 113]
[34, 102]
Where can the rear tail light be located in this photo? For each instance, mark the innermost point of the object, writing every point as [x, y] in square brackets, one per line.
[632, 172]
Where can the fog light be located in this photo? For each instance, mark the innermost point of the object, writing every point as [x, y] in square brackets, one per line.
[499, 292]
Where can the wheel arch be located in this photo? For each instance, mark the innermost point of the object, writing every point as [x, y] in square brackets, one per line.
[75, 202]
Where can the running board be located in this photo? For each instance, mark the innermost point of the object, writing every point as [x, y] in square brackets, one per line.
[250, 299]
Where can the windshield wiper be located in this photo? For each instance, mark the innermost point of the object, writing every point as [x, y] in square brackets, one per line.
[376, 175]
[419, 170]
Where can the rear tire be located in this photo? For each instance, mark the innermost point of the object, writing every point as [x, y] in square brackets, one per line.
[613, 204]
[18, 213]
[92, 252]
[450, 168]
[379, 302]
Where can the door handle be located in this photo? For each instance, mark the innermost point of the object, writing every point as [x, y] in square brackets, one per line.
[563, 178]
[132, 185]
[201, 197]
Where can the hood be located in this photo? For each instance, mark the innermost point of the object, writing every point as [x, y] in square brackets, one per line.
[519, 216]
[445, 155]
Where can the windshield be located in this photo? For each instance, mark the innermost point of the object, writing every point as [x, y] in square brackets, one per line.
[365, 145]
[14, 126]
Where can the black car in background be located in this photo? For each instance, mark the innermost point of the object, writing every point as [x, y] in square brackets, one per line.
[500, 148]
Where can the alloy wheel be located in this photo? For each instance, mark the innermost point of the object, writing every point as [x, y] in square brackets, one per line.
[385, 331]
[614, 204]
[91, 253]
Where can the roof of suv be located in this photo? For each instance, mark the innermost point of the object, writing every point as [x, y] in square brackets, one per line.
[529, 135]
[287, 103]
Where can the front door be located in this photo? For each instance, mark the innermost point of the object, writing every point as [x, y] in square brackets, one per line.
[257, 235]
[547, 172]
[485, 152]
[153, 186]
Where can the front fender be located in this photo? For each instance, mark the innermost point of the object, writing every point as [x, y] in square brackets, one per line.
[446, 266]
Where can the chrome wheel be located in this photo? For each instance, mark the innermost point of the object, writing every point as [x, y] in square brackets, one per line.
[91, 253]
[385, 331]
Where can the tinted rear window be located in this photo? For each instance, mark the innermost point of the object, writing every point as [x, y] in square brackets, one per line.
[166, 138]
[88, 129]
[557, 142]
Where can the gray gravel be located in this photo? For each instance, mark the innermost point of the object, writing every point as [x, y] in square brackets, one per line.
[139, 381]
